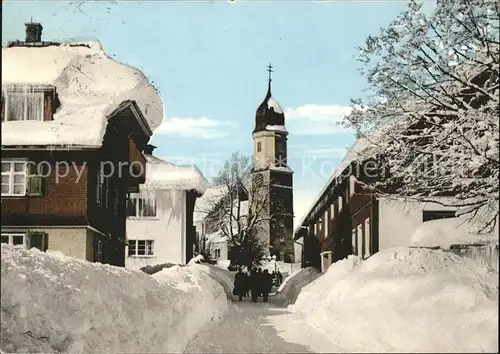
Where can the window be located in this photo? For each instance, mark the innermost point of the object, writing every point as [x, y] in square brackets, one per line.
[24, 105]
[367, 234]
[354, 242]
[352, 185]
[332, 210]
[116, 201]
[99, 251]
[326, 261]
[281, 203]
[428, 215]
[327, 222]
[102, 189]
[217, 253]
[359, 233]
[14, 239]
[340, 203]
[38, 240]
[259, 146]
[141, 205]
[141, 248]
[14, 177]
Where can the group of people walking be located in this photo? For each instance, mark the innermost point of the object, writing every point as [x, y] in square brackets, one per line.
[257, 283]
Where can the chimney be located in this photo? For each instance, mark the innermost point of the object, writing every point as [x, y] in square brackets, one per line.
[33, 32]
[148, 150]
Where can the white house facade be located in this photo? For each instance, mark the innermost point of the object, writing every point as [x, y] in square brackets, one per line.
[209, 235]
[159, 216]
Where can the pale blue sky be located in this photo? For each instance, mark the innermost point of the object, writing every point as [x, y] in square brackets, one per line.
[208, 60]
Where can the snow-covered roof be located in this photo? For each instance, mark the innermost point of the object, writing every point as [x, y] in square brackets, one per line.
[90, 85]
[277, 128]
[353, 153]
[212, 195]
[272, 103]
[362, 147]
[161, 174]
[216, 237]
[205, 202]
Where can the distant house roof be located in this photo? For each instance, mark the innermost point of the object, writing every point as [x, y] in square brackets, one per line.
[213, 195]
[90, 85]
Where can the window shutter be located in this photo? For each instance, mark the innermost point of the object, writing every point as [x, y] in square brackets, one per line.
[34, 186]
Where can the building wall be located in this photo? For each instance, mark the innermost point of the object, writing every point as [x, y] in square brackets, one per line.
[72, 241]
[168, 231]
[267, 142]
[223, 249]
[400, 219]
[64, 201]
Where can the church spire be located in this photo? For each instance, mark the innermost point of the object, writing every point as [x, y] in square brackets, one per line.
[269, 70]
[269, 111]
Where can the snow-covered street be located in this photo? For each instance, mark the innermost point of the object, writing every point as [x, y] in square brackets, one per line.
[259, 328]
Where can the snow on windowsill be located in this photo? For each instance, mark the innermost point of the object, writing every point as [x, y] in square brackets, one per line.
[90, 85]
[144, 218]
[142, 256]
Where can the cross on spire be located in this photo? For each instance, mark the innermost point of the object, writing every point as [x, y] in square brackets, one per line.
[270, 70]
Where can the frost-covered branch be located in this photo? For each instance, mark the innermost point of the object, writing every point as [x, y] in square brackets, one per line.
[434, 112]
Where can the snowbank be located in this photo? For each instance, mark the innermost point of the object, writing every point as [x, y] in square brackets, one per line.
[50, 302]
[284, 268]
[405, 300]
[90, 85]
[161, 174]
[223, 263]
[292, 285]
[445, 233]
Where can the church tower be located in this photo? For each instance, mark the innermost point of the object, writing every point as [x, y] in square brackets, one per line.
[270, 166]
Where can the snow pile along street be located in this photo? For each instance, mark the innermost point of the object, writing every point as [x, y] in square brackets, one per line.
[292, 285]
[405, 299]
[50, 302]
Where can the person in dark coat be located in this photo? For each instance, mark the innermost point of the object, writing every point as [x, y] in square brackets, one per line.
[280, 277]
[247, 283]
[267, 284]
[259, 282]
[239, 284]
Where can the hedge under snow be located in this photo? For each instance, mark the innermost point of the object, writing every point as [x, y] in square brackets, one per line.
[53, 303]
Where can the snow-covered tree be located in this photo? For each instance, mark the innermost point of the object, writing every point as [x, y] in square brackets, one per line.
[432, 115]
[241, 209]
